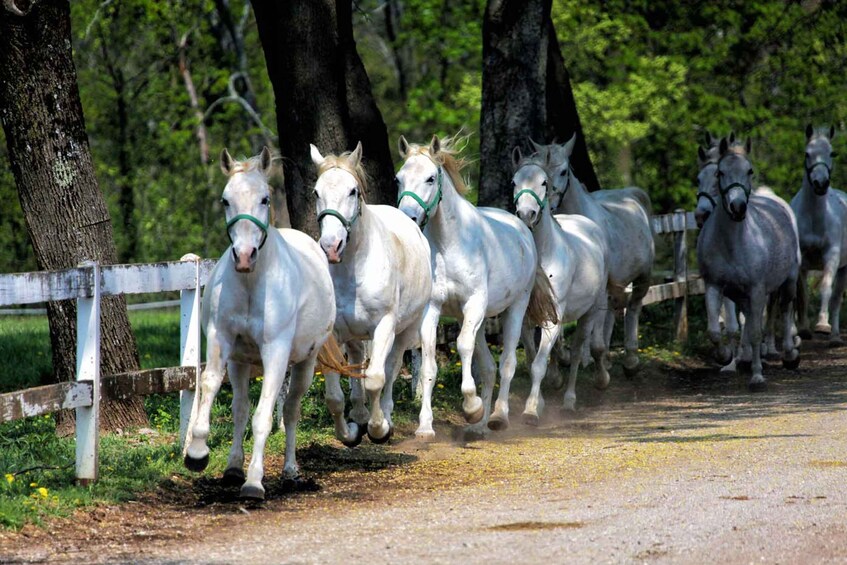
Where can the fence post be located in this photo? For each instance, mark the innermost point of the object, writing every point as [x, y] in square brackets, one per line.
[189, 340]
[88, 369]
[680, 275]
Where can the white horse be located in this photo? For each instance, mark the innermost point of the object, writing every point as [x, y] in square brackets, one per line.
[749, 251]
[380, 266]
[574, 255]
[822, 220]
[624, 215]
[484, 263]
[269, 300]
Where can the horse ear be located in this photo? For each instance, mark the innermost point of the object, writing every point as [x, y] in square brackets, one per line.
[434, 145]
[748, 145]
[538, 147]
[702, 154]
[731, 137]
[709, 139]
[356, 156]
[266, 160]
[516, 156]
[403, 146]
[568, 147]
[227, 162]
[809, 131]
[724, 145]
[317, 158]
[831, 132]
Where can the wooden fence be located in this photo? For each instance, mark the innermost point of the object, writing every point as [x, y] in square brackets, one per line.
[89, 282]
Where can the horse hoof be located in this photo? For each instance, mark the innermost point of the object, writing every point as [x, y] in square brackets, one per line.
[196, 465]
[805, 334]
[602, 383]
[759, 386]
[425, 435]
[383, 439]
[631, 372]
[723, 356]
[357, 436]
[836, 342]
[252, 493]
[498, 423]
[233, 477]
[791, 364]
[530, 419]
[569, 405]
[476, 415]
[825, 329]
[744, 366]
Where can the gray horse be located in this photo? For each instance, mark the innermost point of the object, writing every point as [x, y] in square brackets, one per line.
[749, 251]
[822, 221]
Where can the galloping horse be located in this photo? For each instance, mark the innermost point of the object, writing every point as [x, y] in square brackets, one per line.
[269, 300]
[822, 221]
[574, 255]
[380, 266]
[484, 263]
[624, 215]
[746, 253]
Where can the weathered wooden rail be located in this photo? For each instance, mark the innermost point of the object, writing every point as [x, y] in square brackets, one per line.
[88, 283]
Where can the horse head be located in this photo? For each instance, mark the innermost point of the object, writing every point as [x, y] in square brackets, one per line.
[819, 156]
[247, 203]
[734, 174]
[339, 195]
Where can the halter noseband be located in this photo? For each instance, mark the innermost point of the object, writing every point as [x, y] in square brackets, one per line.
[427, 207]
[705, 194]
[262, 226]
[811, 168]
[347, 223]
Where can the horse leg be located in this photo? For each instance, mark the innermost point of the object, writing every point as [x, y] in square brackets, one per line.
[486, 370]
[512, 319]
[348, 433]
[803, 305]
[713, 311]
[473, 314]
[379, 430]
[301, 379]
[830, 266]
[218, 348]
[358, 412]
[534, 406]
[754, 314]
[403, 341]
[275, 357]
[640, 286]
[597, 343]
[774, 312]
[239, 378]
[835, 306]
[429, 370]
[731, 327]
[790, 353]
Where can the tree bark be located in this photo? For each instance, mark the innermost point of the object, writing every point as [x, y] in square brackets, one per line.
[526, 93]
[323, 96]
[66, 216]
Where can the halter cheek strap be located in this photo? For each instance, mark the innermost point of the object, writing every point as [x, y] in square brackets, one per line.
[262, 226]
[429, 207]
[541, 203]
[708, 197]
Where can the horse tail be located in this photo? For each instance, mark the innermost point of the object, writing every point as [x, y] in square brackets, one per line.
[331, 359]
[542, 300]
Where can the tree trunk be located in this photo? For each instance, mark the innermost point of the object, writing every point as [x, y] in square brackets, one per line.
[526, 93]
[323, 97]
[562, 115]
[66, 216]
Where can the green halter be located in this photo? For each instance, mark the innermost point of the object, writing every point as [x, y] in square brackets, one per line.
[348, 224]
[262, 226]
[427, 208]
[541, 203]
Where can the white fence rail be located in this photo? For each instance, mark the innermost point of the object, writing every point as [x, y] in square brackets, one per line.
[88, 283]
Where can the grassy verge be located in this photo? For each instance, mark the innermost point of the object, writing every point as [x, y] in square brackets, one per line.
[36, 467]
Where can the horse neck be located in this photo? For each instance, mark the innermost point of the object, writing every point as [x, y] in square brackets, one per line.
[544, 230]
[359, 242]
[273, 253]
[576, 200]
[731, 232]
[445, 225]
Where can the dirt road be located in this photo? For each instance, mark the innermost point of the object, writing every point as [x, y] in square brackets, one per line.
[679, 466]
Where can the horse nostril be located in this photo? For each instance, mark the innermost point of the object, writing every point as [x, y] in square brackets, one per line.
[414, 219]
[254, 253]
[234, 254]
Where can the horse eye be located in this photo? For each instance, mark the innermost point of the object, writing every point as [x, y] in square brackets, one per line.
[544, 184]
[750, 172]
[563, 173]
[265, 201]
[431, 179]
[833, 154]
[316, 194]
[352, 192]
[808, 155]
[225, 202]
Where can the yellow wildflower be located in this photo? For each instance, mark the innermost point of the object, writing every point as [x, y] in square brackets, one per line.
[10, 478]
[43, 492]
[33, 485]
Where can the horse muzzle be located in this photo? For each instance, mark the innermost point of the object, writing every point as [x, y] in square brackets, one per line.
[333, 247]
[820, 186]
[529, 216]
[737, 210]
[245, 259]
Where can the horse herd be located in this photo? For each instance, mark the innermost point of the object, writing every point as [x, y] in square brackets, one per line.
[388, 274]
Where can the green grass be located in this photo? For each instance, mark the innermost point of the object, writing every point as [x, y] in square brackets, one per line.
[36, 467]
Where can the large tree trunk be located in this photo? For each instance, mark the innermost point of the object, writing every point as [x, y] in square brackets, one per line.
[323, 96]
[526, 92]
[66, 215]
